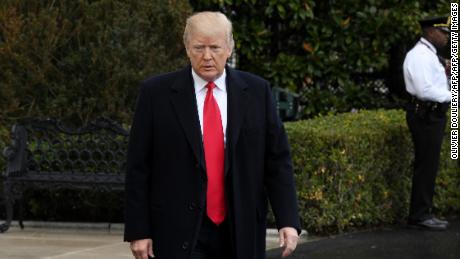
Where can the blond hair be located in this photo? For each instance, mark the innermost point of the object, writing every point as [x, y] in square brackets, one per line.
[210, 24]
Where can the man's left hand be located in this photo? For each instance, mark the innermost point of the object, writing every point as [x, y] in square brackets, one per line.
[288, 240]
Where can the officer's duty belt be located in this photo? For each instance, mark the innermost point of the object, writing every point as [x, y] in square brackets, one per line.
[429, 105]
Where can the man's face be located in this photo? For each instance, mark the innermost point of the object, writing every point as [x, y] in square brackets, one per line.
[208, 54]
[440, 38]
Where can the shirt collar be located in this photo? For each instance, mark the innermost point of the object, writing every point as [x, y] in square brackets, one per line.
[428, 44]
[200, 83]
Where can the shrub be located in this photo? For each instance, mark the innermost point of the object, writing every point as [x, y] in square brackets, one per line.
[354, 170]
[76, 60]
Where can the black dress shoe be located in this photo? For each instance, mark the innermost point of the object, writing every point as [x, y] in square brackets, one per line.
[428, 224]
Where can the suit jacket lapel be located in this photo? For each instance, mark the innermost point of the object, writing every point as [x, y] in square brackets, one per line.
[184, 102]
[237, 100]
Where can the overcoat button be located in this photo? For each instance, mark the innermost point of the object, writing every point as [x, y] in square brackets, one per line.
[192, 206]
[185, 245]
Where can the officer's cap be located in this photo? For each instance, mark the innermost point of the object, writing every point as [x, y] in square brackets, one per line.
[442, 23]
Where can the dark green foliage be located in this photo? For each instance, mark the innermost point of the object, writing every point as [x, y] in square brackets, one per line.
[73, 206]
[76, 60]
[326, 50]
[354, 170]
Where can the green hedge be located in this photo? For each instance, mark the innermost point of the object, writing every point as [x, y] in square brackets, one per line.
[354, 170]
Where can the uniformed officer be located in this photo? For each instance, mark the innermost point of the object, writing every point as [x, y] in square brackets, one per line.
[427, 83]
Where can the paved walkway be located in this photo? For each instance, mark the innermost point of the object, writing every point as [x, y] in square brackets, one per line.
[95, 241]
[394, 243]
[62, 243]
[40, 240]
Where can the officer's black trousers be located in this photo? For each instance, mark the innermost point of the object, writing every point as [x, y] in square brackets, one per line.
[427, 132]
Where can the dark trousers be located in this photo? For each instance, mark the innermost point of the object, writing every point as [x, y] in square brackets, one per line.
[214, 242]
[427, 130]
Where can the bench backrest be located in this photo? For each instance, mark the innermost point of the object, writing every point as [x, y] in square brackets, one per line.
[48, 147]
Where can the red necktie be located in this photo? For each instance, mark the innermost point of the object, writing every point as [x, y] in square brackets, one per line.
[213, 139]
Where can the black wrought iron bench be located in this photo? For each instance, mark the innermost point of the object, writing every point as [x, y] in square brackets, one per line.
[44, 154]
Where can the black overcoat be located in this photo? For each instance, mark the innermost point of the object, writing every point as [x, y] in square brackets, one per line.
[166, 177]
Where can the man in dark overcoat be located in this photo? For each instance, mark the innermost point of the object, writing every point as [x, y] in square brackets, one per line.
[206, 150]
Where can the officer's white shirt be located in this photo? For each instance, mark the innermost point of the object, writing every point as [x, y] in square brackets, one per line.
[424, 75]
[219, 93]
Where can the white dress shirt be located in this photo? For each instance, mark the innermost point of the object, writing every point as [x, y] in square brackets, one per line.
[424, 75]
[220, 94]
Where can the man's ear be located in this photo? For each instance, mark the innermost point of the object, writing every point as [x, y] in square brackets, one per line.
[187, 51]
[229, 53]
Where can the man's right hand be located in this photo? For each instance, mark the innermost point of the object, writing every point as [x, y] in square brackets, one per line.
[142, 248]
